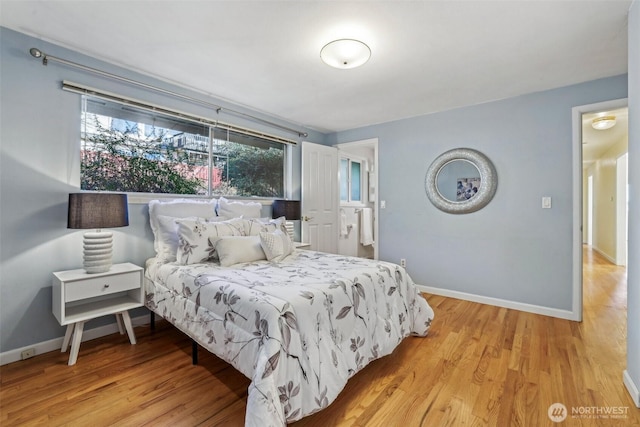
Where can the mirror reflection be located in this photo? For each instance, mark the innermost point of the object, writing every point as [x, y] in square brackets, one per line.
[458, 180]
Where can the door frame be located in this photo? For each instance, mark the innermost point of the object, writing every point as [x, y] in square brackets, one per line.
[622, 212]
[576, 115]
[589, 209]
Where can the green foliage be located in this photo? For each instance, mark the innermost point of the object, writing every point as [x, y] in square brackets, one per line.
[255, 171]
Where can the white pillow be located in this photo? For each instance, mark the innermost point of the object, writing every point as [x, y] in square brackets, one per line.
[276, 245]
[179, 208]
[235, 209]
[236, 249]
[168, 235]
[196, 238]
[254, 226]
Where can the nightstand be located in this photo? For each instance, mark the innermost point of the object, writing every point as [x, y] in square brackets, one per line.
[300, 245]
[79, 297]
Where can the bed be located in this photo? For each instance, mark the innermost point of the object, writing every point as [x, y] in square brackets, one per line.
[298, 323]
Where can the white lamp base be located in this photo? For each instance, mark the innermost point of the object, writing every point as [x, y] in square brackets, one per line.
[289, 226]
[97, 251]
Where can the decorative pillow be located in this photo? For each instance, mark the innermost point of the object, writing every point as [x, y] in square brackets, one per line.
[236, 249]
[277, 245]
[168, 235]
[254, 226]
[179, 208]
[197, 238]
[235, 209]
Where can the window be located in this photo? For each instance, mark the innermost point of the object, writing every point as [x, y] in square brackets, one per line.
[350, 180]
[129, 149]
[249, 166]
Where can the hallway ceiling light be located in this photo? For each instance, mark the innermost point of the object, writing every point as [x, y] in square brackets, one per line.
[602, 123]
[345, 53]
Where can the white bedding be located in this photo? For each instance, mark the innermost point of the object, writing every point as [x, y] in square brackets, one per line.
[299, 329]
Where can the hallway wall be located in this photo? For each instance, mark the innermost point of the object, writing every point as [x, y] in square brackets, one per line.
[604, 172]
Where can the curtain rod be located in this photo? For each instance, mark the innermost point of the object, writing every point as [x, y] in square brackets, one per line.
[37, 53]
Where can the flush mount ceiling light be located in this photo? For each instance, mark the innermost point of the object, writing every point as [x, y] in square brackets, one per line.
[604, 122]
[345, 53]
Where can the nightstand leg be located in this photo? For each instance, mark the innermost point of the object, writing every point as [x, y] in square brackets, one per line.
[75, 343]
[67, 338]
[119, 321]
[127, 324]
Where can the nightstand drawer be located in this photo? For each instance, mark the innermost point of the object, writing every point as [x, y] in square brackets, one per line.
[98, 286]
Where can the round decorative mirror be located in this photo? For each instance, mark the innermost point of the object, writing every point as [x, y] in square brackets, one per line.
[461, 181]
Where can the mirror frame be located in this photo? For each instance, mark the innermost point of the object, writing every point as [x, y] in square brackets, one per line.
[488, 181]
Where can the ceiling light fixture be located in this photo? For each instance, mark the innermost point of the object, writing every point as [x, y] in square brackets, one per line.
[604, 122]
[345, 53]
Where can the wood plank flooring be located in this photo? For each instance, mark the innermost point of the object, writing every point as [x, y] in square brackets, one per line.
[479, 366]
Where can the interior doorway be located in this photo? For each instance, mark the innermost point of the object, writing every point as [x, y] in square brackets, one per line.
[600, 138]
[359, 228]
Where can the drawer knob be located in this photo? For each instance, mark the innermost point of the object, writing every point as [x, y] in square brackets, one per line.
[106, 285]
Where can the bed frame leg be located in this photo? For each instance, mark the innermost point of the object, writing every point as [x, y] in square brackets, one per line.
[194, 352]
[152, 320]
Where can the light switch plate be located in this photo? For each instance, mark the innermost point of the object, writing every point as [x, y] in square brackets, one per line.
[546, 202]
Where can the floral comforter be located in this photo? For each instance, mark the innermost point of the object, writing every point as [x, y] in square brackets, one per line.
[299, 329]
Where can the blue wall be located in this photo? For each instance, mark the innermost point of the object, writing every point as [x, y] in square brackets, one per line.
[512, 249]
[40, 166]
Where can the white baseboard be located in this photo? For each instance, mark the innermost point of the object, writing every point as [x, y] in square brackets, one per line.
[605, 255]
[632, 388]
[56, 343]
[529, 308]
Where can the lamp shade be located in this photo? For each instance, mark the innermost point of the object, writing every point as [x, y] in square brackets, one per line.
[290, 209]
[97, 210]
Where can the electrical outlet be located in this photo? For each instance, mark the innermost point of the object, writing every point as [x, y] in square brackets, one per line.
[28, 353]
[403, 262]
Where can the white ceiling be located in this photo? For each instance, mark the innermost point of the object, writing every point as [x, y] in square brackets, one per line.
[427, 56]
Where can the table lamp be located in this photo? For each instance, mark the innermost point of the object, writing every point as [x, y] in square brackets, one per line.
[97, 211]
[289, 209]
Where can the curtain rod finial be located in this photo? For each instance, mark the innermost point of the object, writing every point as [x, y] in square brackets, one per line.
[37, 53]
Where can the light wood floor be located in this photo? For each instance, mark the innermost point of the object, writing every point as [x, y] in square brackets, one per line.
[480, 365]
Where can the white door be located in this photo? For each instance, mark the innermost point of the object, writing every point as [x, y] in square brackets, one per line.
[320, 197]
